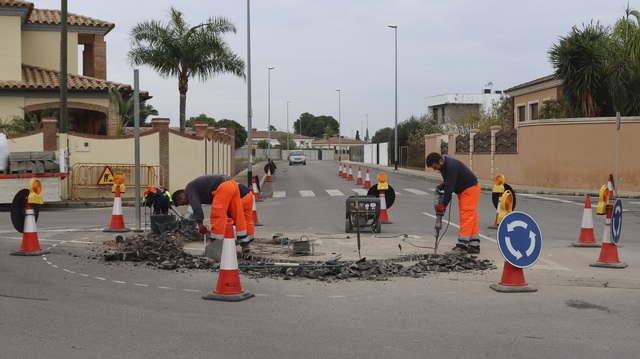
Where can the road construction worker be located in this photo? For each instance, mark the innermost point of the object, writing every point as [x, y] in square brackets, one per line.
[459, 179]
[224, 195]
[157, 198]
[246, 197]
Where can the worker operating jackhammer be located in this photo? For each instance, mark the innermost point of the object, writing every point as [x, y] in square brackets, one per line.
[458, 179]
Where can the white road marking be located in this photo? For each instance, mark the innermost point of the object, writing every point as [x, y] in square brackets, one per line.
[334, 192]
[360, 191]
[279, 194]
[307, 193]
[415, 191]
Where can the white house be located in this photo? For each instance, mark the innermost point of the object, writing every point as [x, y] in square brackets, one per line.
[446, 107]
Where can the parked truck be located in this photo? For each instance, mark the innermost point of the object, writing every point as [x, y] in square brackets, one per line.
[17, 169]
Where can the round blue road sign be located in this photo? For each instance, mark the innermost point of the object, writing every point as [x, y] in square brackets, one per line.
[616, 221]
[519, 239]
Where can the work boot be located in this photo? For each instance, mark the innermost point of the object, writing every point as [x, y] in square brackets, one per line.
[457, 250]
[245, 247]
[473, 249]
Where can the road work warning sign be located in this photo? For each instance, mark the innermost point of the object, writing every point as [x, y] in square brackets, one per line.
[106, 178]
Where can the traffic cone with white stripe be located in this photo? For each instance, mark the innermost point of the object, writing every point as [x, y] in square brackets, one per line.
[587, 238]
[496, 221]
[359, 178]
[30, 244]
[367, 181]
[340, 170]
[268, 174]
[609, 251]
[384, 216]
[255, 215]
[117, 219]
[611, 187]
[344, 172]
[256, 192]
[512, 280]
[350, 175]
[228, 288]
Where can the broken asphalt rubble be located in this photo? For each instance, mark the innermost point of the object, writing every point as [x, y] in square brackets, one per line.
[165, 251]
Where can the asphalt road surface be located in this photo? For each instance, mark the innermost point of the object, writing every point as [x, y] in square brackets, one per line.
[71, 304]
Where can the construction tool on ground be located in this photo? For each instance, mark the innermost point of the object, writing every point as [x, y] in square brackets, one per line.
[438, 196]
[361, 212]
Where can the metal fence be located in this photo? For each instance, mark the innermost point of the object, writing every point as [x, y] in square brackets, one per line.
[92, 181]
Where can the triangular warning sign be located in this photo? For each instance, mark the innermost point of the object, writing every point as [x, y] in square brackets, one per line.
[106, 178]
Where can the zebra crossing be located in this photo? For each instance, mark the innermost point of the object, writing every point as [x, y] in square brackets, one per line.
[339, 193]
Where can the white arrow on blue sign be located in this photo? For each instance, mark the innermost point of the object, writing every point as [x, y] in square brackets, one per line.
[519, 239]
[616, 221]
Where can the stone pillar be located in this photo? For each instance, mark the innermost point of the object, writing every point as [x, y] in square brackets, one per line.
[472, 136]
[94, 58]
[494, 130]
[231, 132]
[50, 134]
[200, 128]
[162, 125]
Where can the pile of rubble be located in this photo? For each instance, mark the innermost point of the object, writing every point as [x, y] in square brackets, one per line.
[413, 266]
[164, 251]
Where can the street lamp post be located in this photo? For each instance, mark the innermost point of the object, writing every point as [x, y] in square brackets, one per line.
[269, 118]
[339, 126]
[249, 111]
[288, 127]
[395, 131]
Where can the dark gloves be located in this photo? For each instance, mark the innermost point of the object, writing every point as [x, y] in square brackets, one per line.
[441, 208]
[202, 229]
[441, 186]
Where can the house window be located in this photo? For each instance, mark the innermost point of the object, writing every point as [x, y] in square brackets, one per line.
[521, 114]
[533, 110]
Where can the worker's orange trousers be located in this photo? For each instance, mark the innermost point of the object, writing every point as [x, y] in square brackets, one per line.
[247, 209]
[469, 200]
[226, 198]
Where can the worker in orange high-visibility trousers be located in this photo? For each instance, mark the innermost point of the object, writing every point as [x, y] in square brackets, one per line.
[459, 179]
[224, 195]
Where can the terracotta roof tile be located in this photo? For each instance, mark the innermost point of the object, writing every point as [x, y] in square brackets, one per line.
[37, 78]
[17, 3]
[52, 17]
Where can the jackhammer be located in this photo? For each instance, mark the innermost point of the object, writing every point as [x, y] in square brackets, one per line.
[438, 196]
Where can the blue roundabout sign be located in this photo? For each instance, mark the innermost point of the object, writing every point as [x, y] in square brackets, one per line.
[519, 239]
[616, 221]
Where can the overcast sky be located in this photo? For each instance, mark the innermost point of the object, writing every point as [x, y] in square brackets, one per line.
[319, 46]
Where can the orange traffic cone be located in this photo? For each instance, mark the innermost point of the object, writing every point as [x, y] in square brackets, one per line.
[256, 192]
[268, 174]
[496, 222]
[384, 216]
[350, 175]
[609, 251]
[117, 219]
[367, 181]
[255, 215]
[611, 187]
[30, 244]
[359, 178]
[587, 238]
[344, 171]
[228, 288]
[340, 170]
[512, 280]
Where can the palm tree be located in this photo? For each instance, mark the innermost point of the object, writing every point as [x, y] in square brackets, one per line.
[624, 68]
[580, 60]
[178, 50]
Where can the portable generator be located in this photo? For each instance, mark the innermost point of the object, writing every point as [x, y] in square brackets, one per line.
[365, 214]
